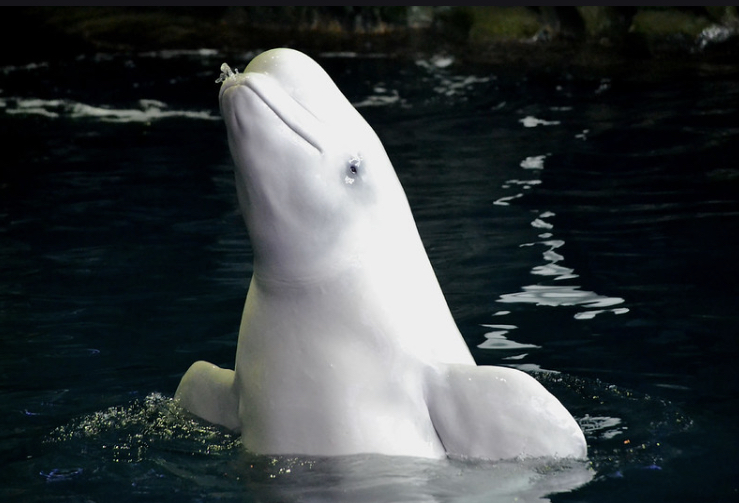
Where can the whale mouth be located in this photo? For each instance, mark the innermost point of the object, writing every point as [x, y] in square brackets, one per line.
[296, 116]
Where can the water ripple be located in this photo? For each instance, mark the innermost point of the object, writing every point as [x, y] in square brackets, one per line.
[147, 110]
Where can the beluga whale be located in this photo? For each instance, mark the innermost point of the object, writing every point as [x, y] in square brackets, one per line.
[346, 343]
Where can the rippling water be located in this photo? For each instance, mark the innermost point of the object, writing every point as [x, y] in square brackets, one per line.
[582, 227]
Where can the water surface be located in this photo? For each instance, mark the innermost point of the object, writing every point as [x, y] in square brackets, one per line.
[583, 228]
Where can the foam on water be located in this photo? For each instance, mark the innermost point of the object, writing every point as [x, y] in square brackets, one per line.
[147, 110]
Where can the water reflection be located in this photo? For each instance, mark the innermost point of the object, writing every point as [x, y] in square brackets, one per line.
[147, 110]
[435, 80]
[497, 340]
[530, 121]
[530, 163]
[552, 269]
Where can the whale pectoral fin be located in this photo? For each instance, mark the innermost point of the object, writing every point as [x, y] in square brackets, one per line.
[500, 413]
[207, 391]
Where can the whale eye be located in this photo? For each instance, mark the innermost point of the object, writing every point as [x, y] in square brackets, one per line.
[354, 163]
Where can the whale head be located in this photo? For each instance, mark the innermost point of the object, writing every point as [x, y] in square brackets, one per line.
[311, 174]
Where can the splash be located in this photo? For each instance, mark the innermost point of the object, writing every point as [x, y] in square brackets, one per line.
[126, 433]
[226, 73]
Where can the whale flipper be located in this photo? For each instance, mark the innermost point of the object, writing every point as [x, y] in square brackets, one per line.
[207, 391]
[495, 413]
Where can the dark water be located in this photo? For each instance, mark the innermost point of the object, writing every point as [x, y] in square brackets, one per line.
[584, 228]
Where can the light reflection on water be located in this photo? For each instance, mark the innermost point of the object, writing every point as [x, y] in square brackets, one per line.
[147, 110]
[555, 294]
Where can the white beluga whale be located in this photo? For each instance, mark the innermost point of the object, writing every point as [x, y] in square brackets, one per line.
[346, 343]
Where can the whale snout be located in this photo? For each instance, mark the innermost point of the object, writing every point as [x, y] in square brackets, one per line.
[300, 78]
[255, 102]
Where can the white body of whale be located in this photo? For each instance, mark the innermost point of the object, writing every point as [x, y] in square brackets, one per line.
[346, 343]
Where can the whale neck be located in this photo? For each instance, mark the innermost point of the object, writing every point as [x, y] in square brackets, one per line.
[396, 280]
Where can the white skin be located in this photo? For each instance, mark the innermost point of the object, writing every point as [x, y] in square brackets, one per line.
[346, 342]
